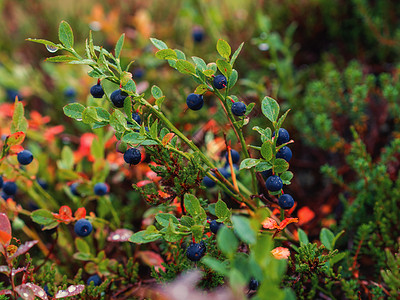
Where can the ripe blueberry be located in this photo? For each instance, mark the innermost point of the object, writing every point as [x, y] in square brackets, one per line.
[208, 182]
[238, 108]
[284, 153]
[9, 188]
[95, 279]
[97, 91]
[235, 156]
[274, 183]
[70, 92]
[1, 182]
[253, 284]
[43, 184]
[100, 189]
[118, 97]
[136, 117]
[25, 157]
[215, 226]
[195, 251]
[138, 73]
[219, 82]
[73, 189]
[267, 173]
[83, 227]
[132, 156]
[224, 172]
[195, 101]
[286, 201]
[283, 136]
[198, 34]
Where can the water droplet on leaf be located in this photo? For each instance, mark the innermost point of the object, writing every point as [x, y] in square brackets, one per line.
[51, 48]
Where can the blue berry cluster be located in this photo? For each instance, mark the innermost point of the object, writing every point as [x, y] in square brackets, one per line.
[274, 183]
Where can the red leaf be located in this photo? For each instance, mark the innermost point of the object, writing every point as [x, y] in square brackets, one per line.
[152, 259]
[80, 213]
[24, 248]
[286, 222]
[38, 291]
[64, 214]
[72, 290]
[305, 215]
[120, 235]
[5, 231]
[16, 138]
[25, 292]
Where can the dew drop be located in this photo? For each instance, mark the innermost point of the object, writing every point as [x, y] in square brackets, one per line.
[263, 47]
[71, 289]
[51, 48]
[79, 119]
[116, 237]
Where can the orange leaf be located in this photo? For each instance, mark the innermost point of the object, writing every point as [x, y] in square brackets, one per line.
[269, 223]
[64, 214]
[167, 138]
[286, 222]
[152, 259]
[16, 138]
[80, 213]
[305, 215]
[281, 253]
[5, 238]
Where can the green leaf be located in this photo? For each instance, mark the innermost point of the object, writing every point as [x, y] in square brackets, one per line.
[82, 256]
[303, 238]
[209, 73]
[215, 264]
[118, 121]
[89, 115]
[19, 122]
[185, 67]
[166, 54]
[281, 119]
[133, 138]
[187, 221]
[233, 78]
[227, 241]
[267, 150]
[119, 45]
[67, 158]
[236, 54]
[280, 165]
[241, 226]
[130, 86]
[74, 111]
[41, 41]
[336, 238]
[42, 217]
[200, 63]
[103, 114]
[221, 210]
[158, 44]
[125, 78]
[193, 207]
[65, 35]
[248, 163]
[201, 89]
[270, 109]
[142, 237]
[286, 177]
[224, 49]
[224, 67]
[263, 166]
[154, 129]
[156, 92]
[249, 108]
[82, 245]
[61, 58]
[171, 235]
[197, 231]
[160, 101]
[326, 236]
[180, 54]
[164, 218]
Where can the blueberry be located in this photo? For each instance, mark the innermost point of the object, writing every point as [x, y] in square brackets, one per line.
[132, 156]
[136, 117]
[224, 172]
[215, 226]
[95, 279]
[235, 156]
[100, 189]
[286, 201]
[267, 173]
[219, 82]
[9, 188]
[43, 184]
[283, 136]
[74, 189]
[195, 251]
[70, 92]
[5, 196]
[238, 108]
[198, 34]
[138, 73]
[274, 183]
[46, 289]
[1, 182]
[208, 182]
[83, 227]
[97, 91]
[195, 101]
[12, 93]
[25, 157]
[253, 284]
[118, 97]
[284, 153]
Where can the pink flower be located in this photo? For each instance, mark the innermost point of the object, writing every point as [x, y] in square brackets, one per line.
[281, 253]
